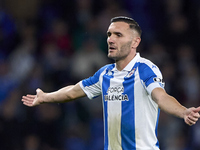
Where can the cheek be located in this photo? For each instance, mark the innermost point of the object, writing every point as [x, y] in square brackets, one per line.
[126, 47]
[107, 40]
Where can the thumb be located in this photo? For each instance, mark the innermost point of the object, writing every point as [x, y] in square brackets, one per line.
[197, 109]
[39, 97]
[38, 90]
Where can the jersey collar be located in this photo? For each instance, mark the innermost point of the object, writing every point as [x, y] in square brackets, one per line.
[130, 65]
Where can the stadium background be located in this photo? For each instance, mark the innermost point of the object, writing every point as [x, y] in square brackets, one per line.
[53, 43]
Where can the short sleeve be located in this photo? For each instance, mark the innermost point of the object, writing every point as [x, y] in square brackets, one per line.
[91, 86]
[150, 76]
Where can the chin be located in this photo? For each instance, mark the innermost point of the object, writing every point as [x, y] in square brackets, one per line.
[112, 57]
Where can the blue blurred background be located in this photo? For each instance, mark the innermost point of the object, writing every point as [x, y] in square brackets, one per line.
[53, 43]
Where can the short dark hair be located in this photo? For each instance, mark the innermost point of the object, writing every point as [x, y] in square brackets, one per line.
[132, 23]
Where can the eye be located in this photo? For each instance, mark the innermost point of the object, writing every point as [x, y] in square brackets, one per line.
[108, 34]
[118, 34]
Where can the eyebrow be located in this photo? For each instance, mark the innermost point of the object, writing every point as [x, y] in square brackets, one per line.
[108, 32]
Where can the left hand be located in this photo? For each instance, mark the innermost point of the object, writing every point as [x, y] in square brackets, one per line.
[34, 100]
[192, 115]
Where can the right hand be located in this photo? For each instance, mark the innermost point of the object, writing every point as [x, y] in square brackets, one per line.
[192, 115]
[33, 100]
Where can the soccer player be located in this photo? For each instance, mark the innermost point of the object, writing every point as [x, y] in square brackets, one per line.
[132, 92]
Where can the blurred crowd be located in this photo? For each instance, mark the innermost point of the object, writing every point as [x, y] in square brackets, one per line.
[49, 44]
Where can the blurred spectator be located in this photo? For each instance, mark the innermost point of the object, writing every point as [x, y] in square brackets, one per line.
[112, 9]
[11, 132]
[49, 125]
[189, 80]
[31, 142]
[22, 9]
[185, 57]
[55, 65]
[191, 85]
[157, 53]
[8, 32]
[194, 136]
[35, 80]
[76, 136]
[22, 59]
[149, 16]
[83, 14]
[7, 83]
[169, 74]
[173, 7]
[176, 32]
[59, 35]
[87, 60]
[92, 30]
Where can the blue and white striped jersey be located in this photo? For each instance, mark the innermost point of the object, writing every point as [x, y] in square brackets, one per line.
[130, 114]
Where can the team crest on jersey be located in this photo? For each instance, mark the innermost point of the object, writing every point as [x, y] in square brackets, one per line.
[130, 73]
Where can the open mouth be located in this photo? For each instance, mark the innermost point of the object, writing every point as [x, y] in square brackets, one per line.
[111, 48]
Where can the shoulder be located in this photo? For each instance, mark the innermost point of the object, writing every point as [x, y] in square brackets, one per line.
[106, 67]
[147, 66]
[104, 70]
[96, 77]
[144, 63]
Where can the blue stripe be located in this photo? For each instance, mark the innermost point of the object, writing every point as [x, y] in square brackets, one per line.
[146, 74]
[156, 129]
[128, 115]
[95, 78]
[105, 86]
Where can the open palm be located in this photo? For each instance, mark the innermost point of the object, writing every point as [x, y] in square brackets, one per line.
[33, 100]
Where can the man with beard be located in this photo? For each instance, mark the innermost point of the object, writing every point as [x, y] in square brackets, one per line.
[132, 92]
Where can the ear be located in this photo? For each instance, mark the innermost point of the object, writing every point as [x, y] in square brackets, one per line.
[136, 42]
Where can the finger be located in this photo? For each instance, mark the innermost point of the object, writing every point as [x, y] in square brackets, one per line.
[27, 100]
[196, 115]
[192, 118]
[29, 97]
[189, 122]
[28, 104]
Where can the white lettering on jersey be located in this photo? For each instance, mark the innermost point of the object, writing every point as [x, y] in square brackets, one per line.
[115, 94]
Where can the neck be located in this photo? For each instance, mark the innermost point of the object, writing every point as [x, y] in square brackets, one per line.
[122, 63]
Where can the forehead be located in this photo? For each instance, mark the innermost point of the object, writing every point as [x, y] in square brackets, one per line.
[118, 26]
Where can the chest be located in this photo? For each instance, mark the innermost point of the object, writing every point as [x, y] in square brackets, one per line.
[117, 85]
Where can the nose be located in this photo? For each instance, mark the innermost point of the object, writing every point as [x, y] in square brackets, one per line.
[110, 40]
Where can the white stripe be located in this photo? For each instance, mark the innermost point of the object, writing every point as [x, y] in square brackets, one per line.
[114, 125]
[145, 117]
[114, 115]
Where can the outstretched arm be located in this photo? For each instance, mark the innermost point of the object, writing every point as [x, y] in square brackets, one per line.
[170, 105]
[65, 94]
